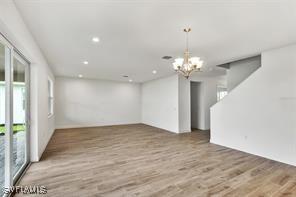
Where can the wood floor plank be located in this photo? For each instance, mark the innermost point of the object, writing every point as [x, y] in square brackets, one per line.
[140, 160]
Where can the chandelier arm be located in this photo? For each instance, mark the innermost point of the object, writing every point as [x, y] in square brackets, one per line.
[185, 72]
[189, 73]
[194, 70]
[182, 72]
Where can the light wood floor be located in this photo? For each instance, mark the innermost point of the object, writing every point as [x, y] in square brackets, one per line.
[139, 160]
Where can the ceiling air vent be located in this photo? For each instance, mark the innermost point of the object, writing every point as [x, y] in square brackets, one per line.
[166, 57]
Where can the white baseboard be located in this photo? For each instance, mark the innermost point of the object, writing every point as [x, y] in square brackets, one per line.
[93, 125]
[186, 131]
[252, 153]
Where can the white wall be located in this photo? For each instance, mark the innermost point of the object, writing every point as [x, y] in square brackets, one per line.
[13, 27]
[240, 70]
[210, 98]
[85, 102]
[207, 98]
[160, 103]
[184, 105]
[259, 116]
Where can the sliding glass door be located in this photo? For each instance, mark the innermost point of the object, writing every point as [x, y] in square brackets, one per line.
[20, 116]
[2, 116]
[14, 114]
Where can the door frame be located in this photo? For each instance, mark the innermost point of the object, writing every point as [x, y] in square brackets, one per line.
[27, 114]
[9, 179]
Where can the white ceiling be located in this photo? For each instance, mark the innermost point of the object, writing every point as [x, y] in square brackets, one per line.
[135, 34]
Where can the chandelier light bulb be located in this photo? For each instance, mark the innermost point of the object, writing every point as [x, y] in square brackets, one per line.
[194, 60]
[179, 61]
[176, 65]
[199, 64]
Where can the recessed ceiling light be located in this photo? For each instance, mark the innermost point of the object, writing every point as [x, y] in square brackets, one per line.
[130, 80]
[154, 71]
[85, 62]
[96, 39]
[80, 76]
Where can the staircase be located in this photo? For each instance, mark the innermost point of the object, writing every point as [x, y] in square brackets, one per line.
[259, 114]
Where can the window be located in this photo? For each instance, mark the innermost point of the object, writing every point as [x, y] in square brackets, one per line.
[50, 97]
[221, 92]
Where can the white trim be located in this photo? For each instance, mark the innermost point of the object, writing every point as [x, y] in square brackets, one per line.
[50, 98]
[250, 152]
[94, 125]
[8, 181]
[187, 131]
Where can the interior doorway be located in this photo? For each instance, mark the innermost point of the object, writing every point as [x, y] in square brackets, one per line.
[195, 101]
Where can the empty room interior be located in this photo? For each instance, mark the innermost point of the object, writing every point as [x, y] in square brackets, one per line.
[124, 98]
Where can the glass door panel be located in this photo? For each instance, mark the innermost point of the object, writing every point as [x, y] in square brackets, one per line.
[20, 106]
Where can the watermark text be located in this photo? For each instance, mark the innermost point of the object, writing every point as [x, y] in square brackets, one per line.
[25, 189]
